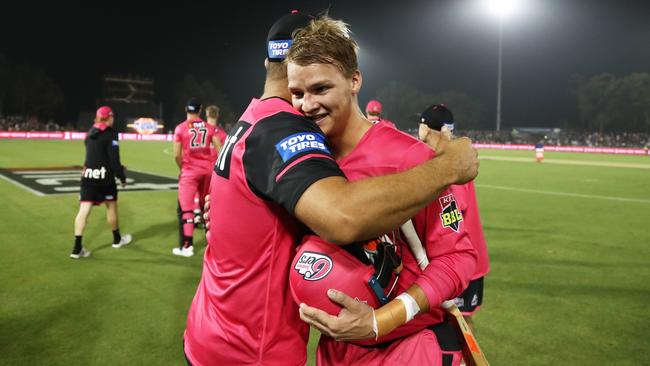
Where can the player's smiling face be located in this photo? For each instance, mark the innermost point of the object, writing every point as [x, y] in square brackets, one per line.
[322, 93]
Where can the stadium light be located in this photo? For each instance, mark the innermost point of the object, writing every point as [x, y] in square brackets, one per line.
[502, 10]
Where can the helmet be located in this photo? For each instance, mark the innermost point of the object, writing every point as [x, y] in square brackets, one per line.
[366, 271]
[319, 266]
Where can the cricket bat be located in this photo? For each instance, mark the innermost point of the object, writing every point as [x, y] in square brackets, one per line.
[471, 351]
[412, 239]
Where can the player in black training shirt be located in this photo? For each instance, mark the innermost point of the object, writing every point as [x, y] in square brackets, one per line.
[98, 186]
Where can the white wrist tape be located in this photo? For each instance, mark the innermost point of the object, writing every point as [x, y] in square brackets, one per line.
[412, 307]
[375, 327]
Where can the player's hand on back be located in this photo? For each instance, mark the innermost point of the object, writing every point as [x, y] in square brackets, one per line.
[460, 156]
[355, 321]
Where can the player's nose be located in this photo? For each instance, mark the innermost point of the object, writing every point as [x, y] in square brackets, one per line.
[310, 105]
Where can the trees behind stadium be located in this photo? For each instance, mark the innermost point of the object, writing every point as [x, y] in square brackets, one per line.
[607, 103]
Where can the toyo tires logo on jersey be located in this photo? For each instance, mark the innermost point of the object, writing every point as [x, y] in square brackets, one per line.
[300, 143]
[313, 266]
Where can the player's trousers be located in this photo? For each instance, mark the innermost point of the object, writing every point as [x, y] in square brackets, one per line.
[189, 185]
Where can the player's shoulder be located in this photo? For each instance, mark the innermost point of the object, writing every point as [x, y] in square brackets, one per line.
[275, 107]
[402, 143]
[277, 114]
[466, 189]
[180, 127]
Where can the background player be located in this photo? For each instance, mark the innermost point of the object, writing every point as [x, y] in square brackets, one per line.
[324, 80]
[194, 150]
[539, 152]
[101, 167]
[212, 115]
[438, 117]
[275, 169]
[373, 113]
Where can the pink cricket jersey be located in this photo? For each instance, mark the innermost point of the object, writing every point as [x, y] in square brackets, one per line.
[376, 119]
[469, 207]
[221, 135]
[195, 137]
[385, 150]
[243, 312]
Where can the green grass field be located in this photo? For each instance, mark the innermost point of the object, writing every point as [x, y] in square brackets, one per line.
[569, 246]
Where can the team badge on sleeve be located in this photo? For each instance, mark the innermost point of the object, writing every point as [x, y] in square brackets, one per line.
[450, 215]
[313, 266]
[299, 143]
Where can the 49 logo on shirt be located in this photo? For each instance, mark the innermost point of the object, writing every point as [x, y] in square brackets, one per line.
[313, 266]
[451, 216]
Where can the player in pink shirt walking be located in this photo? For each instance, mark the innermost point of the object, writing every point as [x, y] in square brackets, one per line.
[195, 143]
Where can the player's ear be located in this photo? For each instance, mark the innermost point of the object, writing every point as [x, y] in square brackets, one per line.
[357, 80]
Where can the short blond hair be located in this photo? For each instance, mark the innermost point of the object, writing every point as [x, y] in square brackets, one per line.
[212, 111]
[325, 41]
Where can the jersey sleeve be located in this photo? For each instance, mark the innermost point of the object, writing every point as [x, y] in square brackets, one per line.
[470, 210]
[442, 231]
[114, 157]
[178, 134]
[285, 154]
[452, 258]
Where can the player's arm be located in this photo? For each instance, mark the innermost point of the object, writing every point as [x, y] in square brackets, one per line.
[343, 212]
[357, 320]
[178, 151]
[448, 273]
[216, 143]
[114, 158]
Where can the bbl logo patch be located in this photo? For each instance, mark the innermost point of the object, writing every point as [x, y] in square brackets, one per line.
[313, 266]
[66, 180]
[450, 215]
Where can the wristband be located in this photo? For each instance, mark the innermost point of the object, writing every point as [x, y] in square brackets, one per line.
[412, 307]
[375, 328]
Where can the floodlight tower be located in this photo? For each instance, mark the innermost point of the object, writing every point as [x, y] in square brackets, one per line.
[501, 9]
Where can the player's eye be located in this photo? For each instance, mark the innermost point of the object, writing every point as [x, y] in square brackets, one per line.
[297, 94]
[321, 89]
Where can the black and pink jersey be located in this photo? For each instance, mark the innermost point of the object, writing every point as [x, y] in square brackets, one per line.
[243, 312]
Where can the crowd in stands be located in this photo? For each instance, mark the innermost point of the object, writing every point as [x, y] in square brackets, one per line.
[21, 123]
[595, 139]
[565, 138]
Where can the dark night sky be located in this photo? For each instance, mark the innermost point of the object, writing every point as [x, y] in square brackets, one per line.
[432, 45]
